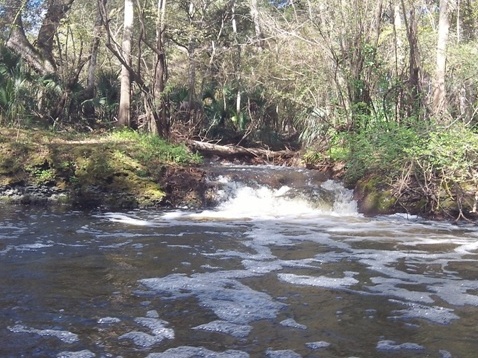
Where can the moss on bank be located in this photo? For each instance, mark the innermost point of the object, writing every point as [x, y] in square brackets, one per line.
[374, 197]
[114, 170]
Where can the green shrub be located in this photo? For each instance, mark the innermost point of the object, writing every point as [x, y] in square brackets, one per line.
[450, 152]
[445, 164]
[381, 148]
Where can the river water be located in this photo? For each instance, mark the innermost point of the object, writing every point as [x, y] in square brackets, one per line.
[277, 271]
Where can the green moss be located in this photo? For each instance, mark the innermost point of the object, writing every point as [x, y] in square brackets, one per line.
[379, 202]
[120, 170]
[374, 197]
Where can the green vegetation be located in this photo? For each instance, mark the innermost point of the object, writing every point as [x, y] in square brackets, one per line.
[435, 164]
[445, 164]
[119, 169]
[380, 149]
[150, 147]
[388, 89]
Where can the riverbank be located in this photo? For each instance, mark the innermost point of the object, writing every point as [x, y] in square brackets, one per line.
[127, 170]
[108, 170]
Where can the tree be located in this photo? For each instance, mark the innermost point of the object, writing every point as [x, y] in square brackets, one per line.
[254, 9]
[89, 92]
[39, 56]
[412, 102]
[439, 105]
[124, 114]
[161, 70]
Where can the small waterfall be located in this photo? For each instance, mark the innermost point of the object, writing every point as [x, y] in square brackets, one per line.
[271, 192]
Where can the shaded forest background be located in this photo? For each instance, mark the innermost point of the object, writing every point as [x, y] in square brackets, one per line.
[387, 87]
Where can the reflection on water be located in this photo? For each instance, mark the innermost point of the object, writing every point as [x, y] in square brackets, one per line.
[303, 283]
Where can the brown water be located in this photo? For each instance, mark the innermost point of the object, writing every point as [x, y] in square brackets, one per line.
[275, 278]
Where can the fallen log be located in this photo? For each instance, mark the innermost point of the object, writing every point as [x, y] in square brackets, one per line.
[239, 152]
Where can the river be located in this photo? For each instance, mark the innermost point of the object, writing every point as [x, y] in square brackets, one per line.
[281, 271]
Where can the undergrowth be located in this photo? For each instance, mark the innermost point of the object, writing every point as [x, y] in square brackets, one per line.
[437, 163]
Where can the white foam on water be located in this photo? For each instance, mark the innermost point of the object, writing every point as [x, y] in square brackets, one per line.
[282, 233]
[457, 294]
[258, 204]
[115, 246]
[285, 353]
[180, 246]
[209, 267]
[159, 331]
[142, 339]
[152, 314]
[232, 329]
[32, 247]
[418, 289]
[173, 215]
[343, 203]
[256, 266]
[398, 272]
[230, 300]
[128, 219]
[370, 312]
[320, 281]
[64, 336]
[157, 326]
[290, 322]
[435, 314]
[262, 267]
[394, 282]
[468, 247]
[403, 216]
[392, 346]
[7, 249]
[389, 286]
[263, 203]
[444, 354]
[197, 352]
[108, 320]
[80, 354]
[318, 345]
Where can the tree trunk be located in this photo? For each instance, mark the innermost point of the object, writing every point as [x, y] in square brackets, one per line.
[89, 91]
[413, 92]
[56, 11]
[191, 50]
[124, 114]
[458, 21]
[162, 128]
[237, 152]
[439, 91]
[91, 75]
[399, 54]
[39, 58]
[191, 77]
[257, 25]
